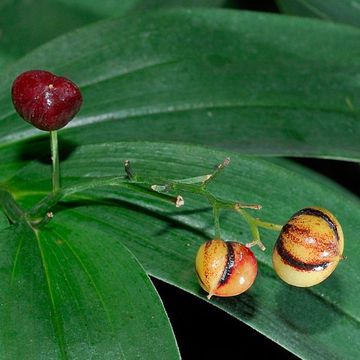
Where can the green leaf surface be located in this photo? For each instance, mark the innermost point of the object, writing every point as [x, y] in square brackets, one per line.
[344, 11]
[314, 323]
[42, 20]
[67, 295]
[38, 21]
[260, 84]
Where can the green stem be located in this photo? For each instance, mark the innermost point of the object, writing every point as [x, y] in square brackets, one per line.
[216, 172]
[267, 225]
[216, 215]
[55, 161]
[159, 187]
[253, 229]
[218, 204]
[44, 205]
[49, 201]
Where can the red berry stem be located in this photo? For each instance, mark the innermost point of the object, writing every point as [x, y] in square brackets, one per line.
[55, 161]
[48, 102]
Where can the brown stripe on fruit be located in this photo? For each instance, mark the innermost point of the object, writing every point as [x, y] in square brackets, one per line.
[230, 261]
[289, 259]
[320, 214]
[294, 233]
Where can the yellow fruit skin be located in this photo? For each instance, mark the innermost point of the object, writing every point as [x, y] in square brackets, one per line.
[309, 247]
[225, 268]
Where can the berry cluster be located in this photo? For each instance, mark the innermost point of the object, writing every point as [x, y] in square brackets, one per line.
[308, 249]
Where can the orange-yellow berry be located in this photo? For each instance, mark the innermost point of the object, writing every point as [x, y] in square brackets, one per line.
[309, 247]
[225, 268]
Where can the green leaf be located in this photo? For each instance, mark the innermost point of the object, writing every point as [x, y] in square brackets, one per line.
[260, 84]
[42, 20]
[314, 323]
[344, 11]
[4, 222]
[66, 294]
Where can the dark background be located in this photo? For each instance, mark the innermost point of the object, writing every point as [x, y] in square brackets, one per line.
[206, 332]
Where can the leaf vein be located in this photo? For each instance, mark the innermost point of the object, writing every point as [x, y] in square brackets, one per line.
[59, 329]
[93, 284]
[74, 296]
[16, 259]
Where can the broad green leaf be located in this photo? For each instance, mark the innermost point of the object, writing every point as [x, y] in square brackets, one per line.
[27, 24]
[260, 84]
[314, 323]
[66, 294]
[344, 11]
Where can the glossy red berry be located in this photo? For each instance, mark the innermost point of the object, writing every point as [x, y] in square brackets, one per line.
[225, 268]
[45, 100]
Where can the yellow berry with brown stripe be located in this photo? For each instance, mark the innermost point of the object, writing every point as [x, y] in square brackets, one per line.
[225, 268]
[309, 247]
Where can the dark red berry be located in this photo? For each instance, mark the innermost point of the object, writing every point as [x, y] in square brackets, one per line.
[45, 100]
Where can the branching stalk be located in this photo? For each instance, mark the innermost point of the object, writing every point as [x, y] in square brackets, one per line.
[198, 185]
[41, 213]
